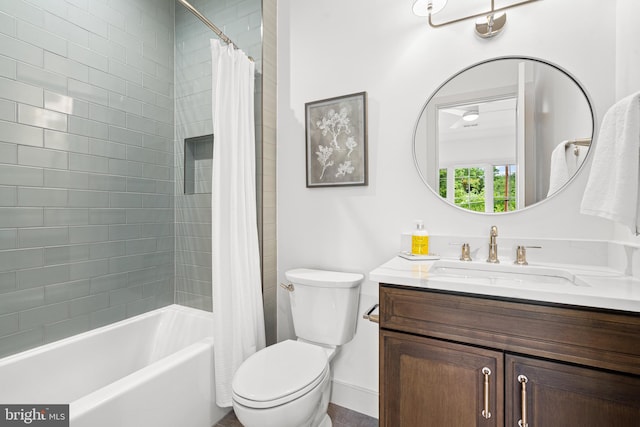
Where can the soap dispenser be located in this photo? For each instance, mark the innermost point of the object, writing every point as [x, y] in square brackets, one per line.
[420, 240]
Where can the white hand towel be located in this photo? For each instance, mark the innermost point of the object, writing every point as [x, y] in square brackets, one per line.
[612, 188]
[559, 173]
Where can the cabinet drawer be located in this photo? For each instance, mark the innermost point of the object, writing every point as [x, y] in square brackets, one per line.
[604, 339]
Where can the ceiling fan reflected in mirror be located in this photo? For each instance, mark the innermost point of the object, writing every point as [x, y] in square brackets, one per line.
[493, 113]
[462, 116]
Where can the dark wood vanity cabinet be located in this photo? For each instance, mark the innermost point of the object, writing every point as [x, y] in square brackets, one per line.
[459, 360]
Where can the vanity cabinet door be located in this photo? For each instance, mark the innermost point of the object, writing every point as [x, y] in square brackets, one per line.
[559, 395]
[434, 383]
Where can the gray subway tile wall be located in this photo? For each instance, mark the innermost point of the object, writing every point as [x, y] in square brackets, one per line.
[86, 165]
[241, 21]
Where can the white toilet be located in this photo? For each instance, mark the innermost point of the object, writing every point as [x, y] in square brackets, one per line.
[288, 384]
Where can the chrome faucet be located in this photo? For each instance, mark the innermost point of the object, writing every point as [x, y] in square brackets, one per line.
[493, 246]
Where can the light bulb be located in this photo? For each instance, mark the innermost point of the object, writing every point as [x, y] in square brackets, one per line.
[421, 7]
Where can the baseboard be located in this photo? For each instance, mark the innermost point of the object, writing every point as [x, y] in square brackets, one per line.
[355, 398]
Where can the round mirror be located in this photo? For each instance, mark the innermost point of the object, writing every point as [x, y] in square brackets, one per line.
[503, 134]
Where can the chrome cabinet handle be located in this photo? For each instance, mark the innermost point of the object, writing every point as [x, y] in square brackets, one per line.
[523, 380]
[375, 318]
[485, 412]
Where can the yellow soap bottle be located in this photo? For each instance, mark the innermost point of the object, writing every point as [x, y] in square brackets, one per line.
[420, 240]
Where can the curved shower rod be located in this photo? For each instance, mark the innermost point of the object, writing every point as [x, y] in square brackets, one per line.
[209, 24]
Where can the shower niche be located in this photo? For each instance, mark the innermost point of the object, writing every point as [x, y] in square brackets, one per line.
[198, 164]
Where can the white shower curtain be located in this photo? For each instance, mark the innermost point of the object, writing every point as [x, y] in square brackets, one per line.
[236, 284]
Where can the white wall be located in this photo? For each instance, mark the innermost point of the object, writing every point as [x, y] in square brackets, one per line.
[337, 47]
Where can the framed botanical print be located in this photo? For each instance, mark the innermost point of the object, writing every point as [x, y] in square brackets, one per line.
[336, 141]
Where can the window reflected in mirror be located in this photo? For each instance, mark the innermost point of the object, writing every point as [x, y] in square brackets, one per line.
[469, 188]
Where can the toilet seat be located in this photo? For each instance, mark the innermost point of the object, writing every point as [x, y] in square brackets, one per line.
[279, 374]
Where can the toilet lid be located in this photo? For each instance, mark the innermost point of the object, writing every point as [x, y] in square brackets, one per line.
[279, 373]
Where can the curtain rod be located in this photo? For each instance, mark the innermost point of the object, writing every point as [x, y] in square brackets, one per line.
[209, 24]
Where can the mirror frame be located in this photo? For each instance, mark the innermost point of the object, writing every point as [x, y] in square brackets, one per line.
[516, 57]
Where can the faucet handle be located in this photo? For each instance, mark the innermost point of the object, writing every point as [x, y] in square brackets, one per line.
[494, 231]
[465, 255]
[521, 254]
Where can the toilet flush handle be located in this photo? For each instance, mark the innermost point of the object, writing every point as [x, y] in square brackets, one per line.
[289, 287]
[375, 318]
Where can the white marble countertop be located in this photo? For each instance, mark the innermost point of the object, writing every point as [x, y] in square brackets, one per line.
[553, 283]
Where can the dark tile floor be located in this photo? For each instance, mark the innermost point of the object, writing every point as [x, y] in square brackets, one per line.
[341, 417]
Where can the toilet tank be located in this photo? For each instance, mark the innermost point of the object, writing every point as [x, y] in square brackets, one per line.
[324, 305]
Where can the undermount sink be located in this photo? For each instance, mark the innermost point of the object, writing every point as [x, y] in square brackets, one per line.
[509, 275]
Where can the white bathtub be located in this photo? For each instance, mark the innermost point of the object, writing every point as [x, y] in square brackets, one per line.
[155, 369]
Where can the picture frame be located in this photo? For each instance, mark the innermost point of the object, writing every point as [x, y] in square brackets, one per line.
[336, 141]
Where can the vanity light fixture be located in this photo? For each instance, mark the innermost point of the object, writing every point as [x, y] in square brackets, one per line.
[489, 25]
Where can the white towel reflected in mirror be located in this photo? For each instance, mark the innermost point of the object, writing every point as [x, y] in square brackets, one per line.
[566, 158]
